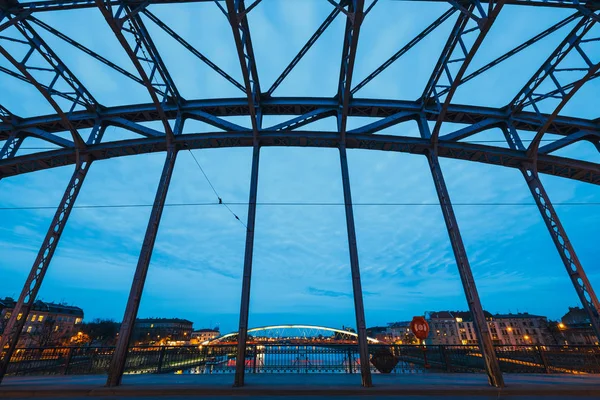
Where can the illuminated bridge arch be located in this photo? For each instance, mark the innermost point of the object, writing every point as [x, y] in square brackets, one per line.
[301, 332]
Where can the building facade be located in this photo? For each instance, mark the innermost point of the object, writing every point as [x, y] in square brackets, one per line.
[164, 331]
[48, 324]
[457, 328]
[574, 329]
[202, 335]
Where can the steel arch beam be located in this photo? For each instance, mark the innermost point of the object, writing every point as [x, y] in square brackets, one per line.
[307, 108]
[55, 5]
[547, 164]
[158, 80]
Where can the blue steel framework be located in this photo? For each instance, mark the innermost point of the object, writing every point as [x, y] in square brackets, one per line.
[76, 109]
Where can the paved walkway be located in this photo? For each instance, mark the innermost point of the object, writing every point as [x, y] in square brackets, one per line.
[266, 385]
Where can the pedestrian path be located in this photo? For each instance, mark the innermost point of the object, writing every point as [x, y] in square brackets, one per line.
[429, 384]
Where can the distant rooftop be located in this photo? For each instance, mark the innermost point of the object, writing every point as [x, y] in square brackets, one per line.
[163, 320]
[518, 315]
[52, 308]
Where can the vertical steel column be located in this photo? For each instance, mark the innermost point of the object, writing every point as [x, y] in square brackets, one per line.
[117, 364]
[565, 248]
[466, 276]
[359, 308]
[240, 364]
[34, 281]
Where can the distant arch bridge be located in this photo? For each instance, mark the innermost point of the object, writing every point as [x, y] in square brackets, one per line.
[293, 333]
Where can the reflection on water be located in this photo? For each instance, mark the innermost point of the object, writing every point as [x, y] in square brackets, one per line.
[295, 359]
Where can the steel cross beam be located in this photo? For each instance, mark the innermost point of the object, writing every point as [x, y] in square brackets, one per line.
[192, 49]
[517, 49]
[84, 49]
[593, 137]
[240, 365]
[40, 267]
[582, 285]
[236, 14]
[527, 95]
[404, 49]
[58, 70]
[442, 77]
[126, 20]
[117, 364]
[353, 23]
[303, 51]
[565, 92]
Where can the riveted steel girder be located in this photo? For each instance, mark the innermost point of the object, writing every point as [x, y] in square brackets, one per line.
[58, 71]
[582, 285]
[124, 19]
[350, 44]
[240, 365]
[471, 20]
[33, 283]
[236, 13]
[551, 165]
[117, 365]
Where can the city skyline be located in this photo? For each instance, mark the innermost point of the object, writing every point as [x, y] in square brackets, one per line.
[301, 267]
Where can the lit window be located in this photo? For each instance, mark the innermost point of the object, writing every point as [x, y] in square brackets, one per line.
[40, 318]
[29, 329]
[19, 316]
[55, 328]
[33, 318]
[151, 325]
[77, 320]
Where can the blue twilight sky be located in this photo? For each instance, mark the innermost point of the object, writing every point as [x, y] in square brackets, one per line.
[301, 265]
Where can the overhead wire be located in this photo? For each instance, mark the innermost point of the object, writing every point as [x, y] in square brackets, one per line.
[297, 204]
[215, 191]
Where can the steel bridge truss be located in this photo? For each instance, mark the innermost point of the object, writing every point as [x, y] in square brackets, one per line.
[567, 69]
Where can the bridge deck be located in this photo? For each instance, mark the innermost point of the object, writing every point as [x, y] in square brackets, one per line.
[428, 384]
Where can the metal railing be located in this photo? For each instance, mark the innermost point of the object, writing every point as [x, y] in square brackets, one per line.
[304, 358]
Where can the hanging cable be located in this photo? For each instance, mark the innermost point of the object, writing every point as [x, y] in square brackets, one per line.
[215, 190]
